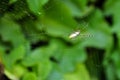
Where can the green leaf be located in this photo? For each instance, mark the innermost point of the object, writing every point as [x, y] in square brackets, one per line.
[12, 1]
[63, 17]
[33, 58]
[11, 32]
[82, 4]
[98, 32]
[79, 74]
[30, 76]
[98, 39]
[19, 71]
[55, 74]
[71, 57]
[114, 10]
[36, 56]
[57, 48]
[56, 29]
[116, 60]
[43, 69]
[75, 11]
[11, 59]
[36, 5]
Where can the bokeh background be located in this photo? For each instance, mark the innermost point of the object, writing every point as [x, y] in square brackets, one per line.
[35, 43]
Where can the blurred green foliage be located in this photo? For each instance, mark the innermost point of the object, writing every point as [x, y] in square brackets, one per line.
[35, 43]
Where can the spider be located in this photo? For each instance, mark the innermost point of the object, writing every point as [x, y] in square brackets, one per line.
[74, 34]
